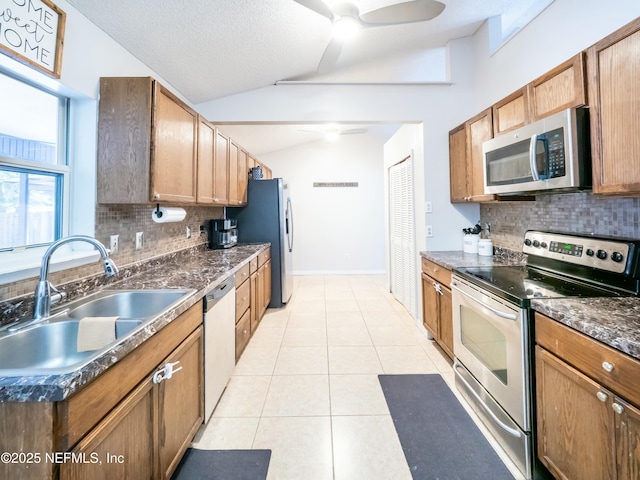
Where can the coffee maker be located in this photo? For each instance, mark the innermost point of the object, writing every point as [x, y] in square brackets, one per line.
[223, 233]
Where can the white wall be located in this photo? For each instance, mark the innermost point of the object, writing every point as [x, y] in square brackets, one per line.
[337, 230]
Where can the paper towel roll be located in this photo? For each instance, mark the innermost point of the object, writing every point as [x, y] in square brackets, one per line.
[168, 214]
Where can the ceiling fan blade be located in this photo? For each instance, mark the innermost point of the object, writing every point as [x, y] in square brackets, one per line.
[330, 55]
[353, 130]
[406, 12]
[317, 6]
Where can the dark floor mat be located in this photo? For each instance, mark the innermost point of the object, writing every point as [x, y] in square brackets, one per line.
[439, 439]
[223, 465]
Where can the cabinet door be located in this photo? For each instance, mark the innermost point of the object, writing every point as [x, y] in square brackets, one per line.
[511, 112]
[614, 95]
[234, 195]
[122, 445]
[479, 130]
[243, 333]
[561, 88]
[429, 305]
[574, 421]
[458, 164]
[181, 402]
[255, 295]
[445, 321]
[206, 146]
[221, 169]
[628, 439]
[173, 159]
[243, 176]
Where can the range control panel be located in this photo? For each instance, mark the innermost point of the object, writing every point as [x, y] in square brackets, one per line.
[603, 253]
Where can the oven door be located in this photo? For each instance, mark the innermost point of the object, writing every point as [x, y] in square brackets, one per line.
[489, 339]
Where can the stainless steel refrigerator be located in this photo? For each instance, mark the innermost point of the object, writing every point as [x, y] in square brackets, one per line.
[268, 217]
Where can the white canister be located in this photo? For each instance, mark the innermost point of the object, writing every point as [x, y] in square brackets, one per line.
[470, 243]
[485, 247]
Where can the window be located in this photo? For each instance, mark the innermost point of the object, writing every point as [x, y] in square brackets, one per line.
[33, 164]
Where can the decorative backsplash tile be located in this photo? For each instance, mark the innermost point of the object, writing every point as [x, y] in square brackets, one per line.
[582, 213]
[126, 220]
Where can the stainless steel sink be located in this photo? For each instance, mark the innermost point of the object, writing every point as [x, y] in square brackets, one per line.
[138, 304]
[51, 347]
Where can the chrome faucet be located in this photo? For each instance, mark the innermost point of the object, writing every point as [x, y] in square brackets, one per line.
[44, 297]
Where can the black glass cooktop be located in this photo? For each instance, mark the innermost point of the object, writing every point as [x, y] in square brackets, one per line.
[520, 284]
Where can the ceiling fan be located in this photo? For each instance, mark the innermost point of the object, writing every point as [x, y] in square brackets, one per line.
[344, 14]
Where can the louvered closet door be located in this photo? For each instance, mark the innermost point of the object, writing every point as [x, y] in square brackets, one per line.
[402, 234]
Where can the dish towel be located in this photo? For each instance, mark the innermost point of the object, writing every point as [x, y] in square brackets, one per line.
[96, 332]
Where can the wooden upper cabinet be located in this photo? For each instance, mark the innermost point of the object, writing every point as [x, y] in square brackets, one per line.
[458, 164]
[221, 169]
[613, 66]
[466, 163]
[561, 88]
[146, 143]
[243, 176]
[479, 130]
[234, 150]
[206, 150]
[511, 112]
[174, 150]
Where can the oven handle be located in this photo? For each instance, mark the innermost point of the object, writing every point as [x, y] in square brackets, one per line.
[508, 316]
[506, 428]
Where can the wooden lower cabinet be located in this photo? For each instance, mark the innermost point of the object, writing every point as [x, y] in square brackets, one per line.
[437, 313]
[123, 444]
[181, 402]
[586, 430]
[146, 435]
[259, 295]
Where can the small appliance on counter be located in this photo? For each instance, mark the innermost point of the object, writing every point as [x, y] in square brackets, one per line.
[223, 233]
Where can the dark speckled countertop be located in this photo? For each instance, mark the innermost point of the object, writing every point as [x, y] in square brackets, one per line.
[199, 269]
[614, 321]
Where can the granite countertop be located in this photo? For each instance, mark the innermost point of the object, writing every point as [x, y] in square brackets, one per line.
[198, 269]
[457, 258]
[614, 321]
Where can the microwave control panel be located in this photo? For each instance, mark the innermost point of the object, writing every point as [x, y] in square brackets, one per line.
[556, 158]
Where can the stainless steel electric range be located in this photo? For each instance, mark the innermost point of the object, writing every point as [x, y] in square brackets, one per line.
[493, 327]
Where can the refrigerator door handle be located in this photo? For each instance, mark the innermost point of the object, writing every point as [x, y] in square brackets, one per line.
[289, 224]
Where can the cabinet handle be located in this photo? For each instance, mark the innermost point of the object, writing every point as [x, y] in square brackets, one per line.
[617, 408]
[607, 366]
[437, 288]
[602, 396]
[156, 196]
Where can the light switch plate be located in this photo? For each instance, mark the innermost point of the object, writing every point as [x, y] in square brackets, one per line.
[139, 240]
[113, 243]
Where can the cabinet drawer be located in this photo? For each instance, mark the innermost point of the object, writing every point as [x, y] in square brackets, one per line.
[591, 357]
[438, 272]
[253, 265]
[243, 333]
[242, 274]
[243, 299]
[263, 257]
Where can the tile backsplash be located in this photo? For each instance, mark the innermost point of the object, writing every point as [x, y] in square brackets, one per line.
[582, 213]
[125, 221]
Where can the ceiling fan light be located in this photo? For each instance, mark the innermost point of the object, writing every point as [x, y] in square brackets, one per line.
[332, 136]
[345, 28]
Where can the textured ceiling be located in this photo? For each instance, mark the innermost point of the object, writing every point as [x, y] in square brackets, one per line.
[208, 49]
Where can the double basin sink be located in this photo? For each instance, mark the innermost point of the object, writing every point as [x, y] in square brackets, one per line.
[50, 346]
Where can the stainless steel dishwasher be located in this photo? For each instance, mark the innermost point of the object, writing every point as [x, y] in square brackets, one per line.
[219, 342]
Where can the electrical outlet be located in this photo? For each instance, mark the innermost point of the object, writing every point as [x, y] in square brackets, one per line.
[188, 231]
[139, 240]
[428, 207]
[113, 243]
[429, 230]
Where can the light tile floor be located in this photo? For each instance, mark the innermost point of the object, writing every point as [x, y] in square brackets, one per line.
[306, 386]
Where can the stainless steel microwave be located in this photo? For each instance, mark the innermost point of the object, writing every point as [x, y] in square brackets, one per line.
[551, 154]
